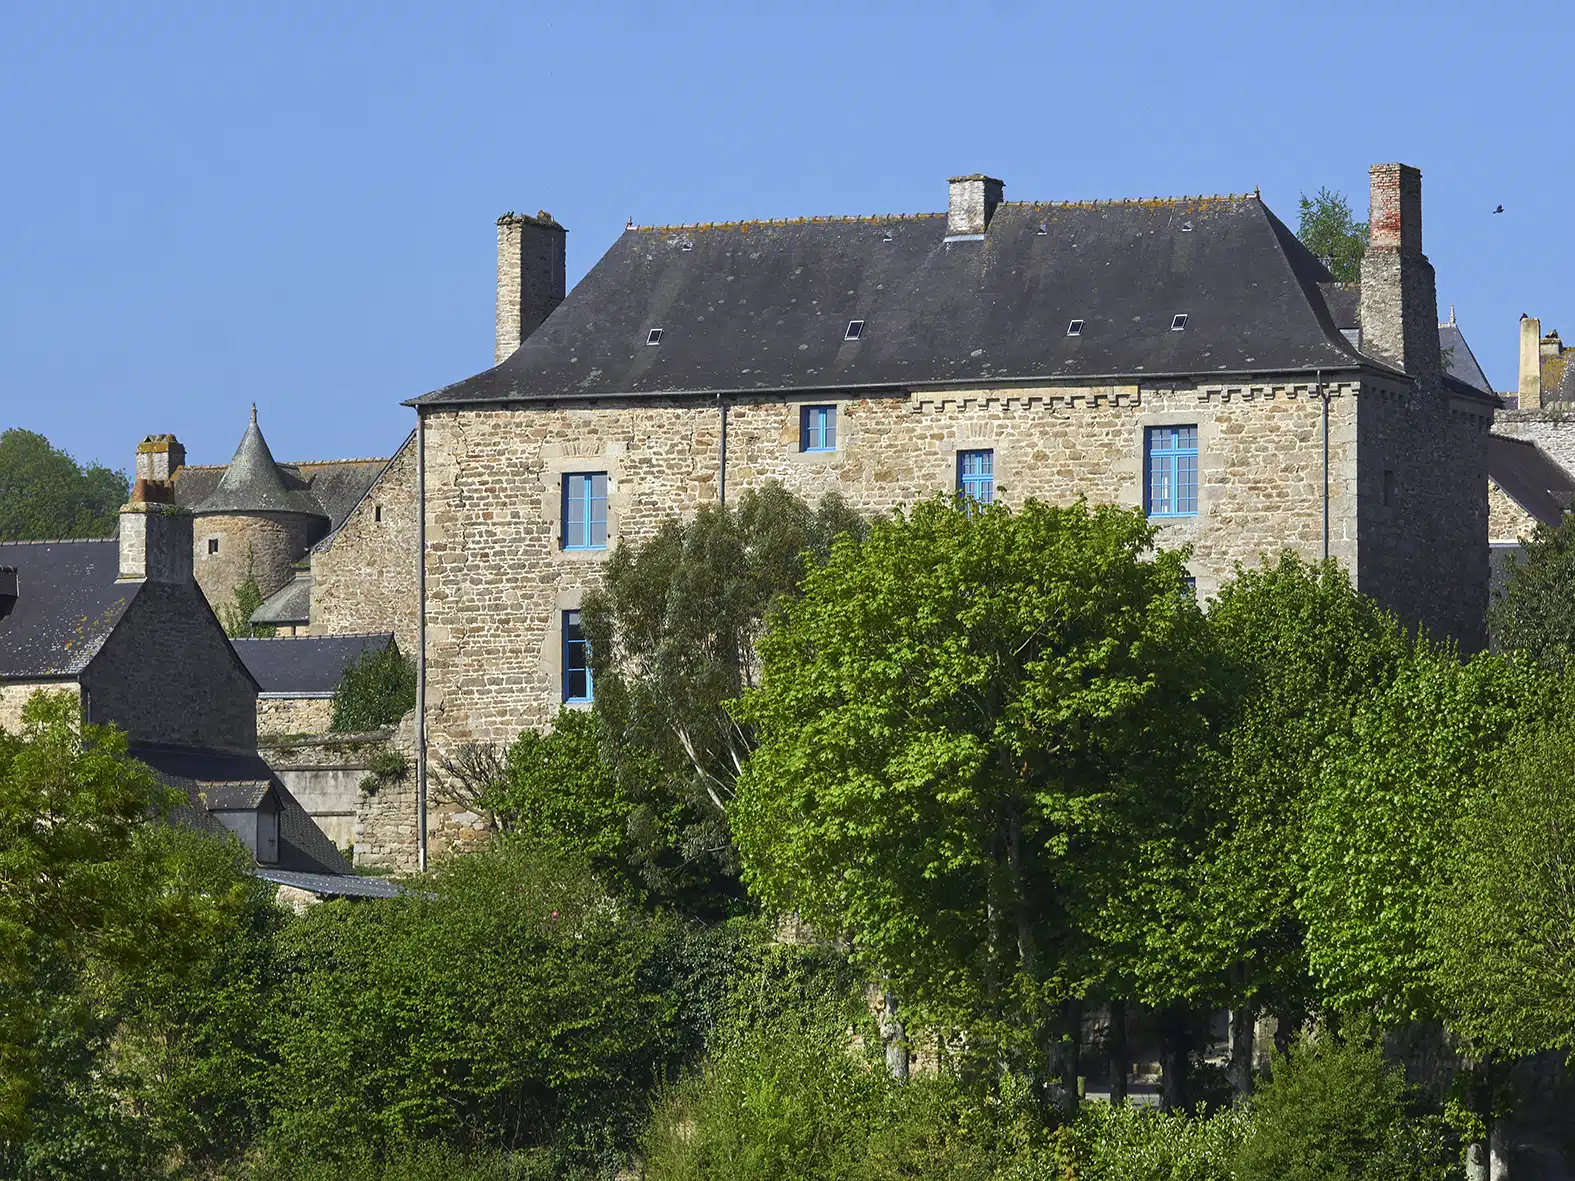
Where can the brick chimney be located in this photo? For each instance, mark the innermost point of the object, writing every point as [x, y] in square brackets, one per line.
[531, 276]
[972, 204]
[1399, 306]
[159, 457]
[1530, 363]
[155, 536]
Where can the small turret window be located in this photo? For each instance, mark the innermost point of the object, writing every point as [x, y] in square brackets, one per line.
[213, 545]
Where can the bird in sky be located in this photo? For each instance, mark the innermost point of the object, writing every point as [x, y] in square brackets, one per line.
[1500, 209]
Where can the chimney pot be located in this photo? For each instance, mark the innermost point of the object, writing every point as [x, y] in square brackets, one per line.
[972, 204]
[155, 541]
[1530, 363]
[532, 279]
[1399, 302]
[159, 457]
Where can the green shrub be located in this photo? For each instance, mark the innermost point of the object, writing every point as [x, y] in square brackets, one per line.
[1336, 1109]
[1142, 1144]
[375, 691]
[511, 1003]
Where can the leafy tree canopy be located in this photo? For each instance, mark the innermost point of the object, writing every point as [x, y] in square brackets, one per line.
[46, 494]
[375, 691]
[1215, 914]
[1330, 231]
[99, 899]
[960, 722]
[1534, 612]
[1503, 934]
[673, 630]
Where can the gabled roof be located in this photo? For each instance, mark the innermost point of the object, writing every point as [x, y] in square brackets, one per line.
[1530, 477]
[253, 482]
[207, 776]
[68, 603]
[302, 666]
[289, 606]
[1459, 361]
[763, 306]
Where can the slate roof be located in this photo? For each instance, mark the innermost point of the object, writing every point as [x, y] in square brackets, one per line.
[762, 306]
[1461, 362]
[335, 486]
[290, 605]
[1530, 477]
[253, 482]
[333, 885]
[303, 847]
[68, 603]
[306, 666]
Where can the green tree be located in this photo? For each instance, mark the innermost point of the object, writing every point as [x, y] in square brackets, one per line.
[673, 629]
[960, 723]
[1380, 831]
[376, 690]
[1330, 231]
[1212, 918]
[45, 494]
[510, 1002]
[236, 615]
[1534, 612]
[106, 912]
[1335, 1110]
[1503, 932]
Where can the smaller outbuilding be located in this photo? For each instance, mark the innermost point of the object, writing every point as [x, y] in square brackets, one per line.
[297, 676]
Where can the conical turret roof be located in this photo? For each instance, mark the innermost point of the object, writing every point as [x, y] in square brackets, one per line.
[255, 483]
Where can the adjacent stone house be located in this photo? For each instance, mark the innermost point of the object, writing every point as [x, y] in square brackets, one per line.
[297, 676]
[121, 625]
[1184, 355]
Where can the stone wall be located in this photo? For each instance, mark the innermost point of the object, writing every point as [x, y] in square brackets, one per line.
[1551, 430]
[1422, 471]
[167, 674]
[364, 576]
[293, 715]
[1507, 521]
[498, 578]
[14, 695]
[269, 542]
[343, 783]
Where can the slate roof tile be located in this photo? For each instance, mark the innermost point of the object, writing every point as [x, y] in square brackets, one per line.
[68, 603]
[306, 665]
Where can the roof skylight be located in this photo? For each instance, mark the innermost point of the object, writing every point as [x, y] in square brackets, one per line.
[654, 336]
[855, 330]
[1178, 321]
[1075, 328]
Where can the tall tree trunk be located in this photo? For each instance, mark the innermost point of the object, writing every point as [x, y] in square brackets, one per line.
[1498, 1150]
[1175, 1058]
[1287, 1023]
[1243, 1026]
[1479, 1098]
[1065, 1057]
[1120, 1063]
[895, 1037]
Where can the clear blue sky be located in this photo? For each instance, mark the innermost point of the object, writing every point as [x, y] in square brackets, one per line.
[206, 205]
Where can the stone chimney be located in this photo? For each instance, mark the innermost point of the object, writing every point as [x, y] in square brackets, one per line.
[155, 536]
[1530, 363]
[159, 457]
[531, 276]
[1399, 306]
[972, 205]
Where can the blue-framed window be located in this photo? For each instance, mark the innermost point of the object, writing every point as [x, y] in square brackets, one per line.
[817, 428]
[1170, 483]
[976, 475]
[577, 685]
[585, 510]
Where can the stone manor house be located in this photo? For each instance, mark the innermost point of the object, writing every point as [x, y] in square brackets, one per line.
[1187, 355]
